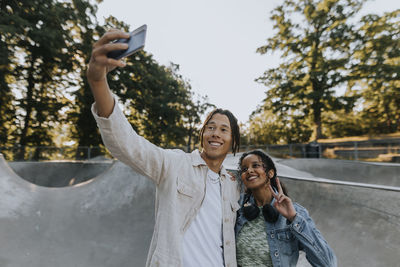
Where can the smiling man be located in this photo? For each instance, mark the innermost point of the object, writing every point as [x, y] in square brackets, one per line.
[196, 201]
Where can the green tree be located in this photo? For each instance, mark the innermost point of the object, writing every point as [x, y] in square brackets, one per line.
[46, 46]
[82, 126]
[40, 63]
[314, 38]
[158, 101]
[7, 111]
[376, 71]
[342, 123]
[268, 127]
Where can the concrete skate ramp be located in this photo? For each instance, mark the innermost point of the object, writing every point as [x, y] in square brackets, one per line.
[361, 224]
[108, 221]
[346, 170]
[105, 221]
[59, 174]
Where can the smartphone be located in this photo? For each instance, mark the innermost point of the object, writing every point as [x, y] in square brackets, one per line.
[135, 43]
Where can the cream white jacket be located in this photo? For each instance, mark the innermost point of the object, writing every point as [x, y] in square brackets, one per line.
[180, 180]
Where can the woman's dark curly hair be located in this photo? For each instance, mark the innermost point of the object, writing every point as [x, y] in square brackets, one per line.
[268, 165]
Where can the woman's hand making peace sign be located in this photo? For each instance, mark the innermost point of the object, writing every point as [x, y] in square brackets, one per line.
[283, 203]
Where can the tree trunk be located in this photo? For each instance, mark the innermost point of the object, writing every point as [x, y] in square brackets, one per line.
[317, 128]
[189, 143]
[28, 108]
[317, 131]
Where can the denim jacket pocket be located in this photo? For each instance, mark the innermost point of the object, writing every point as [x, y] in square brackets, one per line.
[287, 241]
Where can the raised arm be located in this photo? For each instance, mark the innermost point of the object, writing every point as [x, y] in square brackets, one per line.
[100, 65]
[117, 133]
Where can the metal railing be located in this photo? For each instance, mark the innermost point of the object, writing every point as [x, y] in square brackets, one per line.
[373, 150]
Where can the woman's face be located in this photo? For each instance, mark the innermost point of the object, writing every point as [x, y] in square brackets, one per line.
[253, 172]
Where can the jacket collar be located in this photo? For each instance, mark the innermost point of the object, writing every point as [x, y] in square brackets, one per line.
[197, 160]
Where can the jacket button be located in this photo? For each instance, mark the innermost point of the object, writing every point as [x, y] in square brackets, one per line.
[272, 235]
[276, 254]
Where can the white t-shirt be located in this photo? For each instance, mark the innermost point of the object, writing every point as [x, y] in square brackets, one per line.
[202, 241]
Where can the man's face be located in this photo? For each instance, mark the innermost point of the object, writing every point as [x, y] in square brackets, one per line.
[217, 137]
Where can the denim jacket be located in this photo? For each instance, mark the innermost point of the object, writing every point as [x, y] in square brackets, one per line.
[286, 239]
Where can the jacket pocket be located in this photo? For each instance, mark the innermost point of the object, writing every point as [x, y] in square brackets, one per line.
[186, 200]
[287, 241]
[163, 259]
[183, 188]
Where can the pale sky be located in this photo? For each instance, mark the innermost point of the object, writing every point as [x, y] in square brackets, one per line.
[213, 41]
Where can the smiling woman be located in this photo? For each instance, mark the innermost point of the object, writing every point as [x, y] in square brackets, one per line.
[285, 228]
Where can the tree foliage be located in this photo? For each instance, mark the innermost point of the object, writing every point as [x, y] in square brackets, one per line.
[45, 47]
[267, 127]
[324, 50]
[158, 100]
[7, 111]
[314, 38]
[39, 61]
[376, 71]
[82, 127]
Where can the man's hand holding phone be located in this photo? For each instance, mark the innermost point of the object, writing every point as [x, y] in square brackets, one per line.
[111, 48]
[135, 43]
[100, 64]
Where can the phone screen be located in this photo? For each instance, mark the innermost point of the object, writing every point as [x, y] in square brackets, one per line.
[135, 43]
